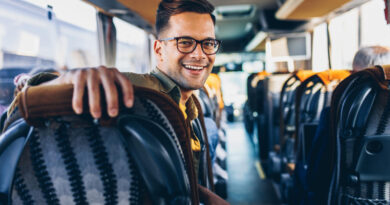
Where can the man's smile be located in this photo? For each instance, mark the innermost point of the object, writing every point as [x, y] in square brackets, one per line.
[194, 67]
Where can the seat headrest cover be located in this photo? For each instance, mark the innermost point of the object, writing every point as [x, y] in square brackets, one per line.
[302, 75]
[45, 101]
[330, 75]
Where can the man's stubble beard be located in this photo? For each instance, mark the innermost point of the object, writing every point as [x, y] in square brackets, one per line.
[185, 87]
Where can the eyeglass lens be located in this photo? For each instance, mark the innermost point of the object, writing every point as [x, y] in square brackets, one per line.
[187, 45]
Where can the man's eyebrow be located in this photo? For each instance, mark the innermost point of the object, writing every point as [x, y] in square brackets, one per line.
[185, 37]
[208, 38]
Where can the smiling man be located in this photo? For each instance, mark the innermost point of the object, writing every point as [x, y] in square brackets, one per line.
[185, 51]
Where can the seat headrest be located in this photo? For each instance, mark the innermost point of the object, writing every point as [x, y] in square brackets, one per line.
[302, 75]
[39, 102]
[330, 75]
[49, 109]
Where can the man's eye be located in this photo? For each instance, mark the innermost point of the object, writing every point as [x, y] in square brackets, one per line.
[185, 42]
[209, 44]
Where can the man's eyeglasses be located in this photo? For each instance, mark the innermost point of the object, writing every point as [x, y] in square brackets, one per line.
[188, 44]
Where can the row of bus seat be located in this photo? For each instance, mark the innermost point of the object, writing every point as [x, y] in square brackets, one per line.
[49, 155]
[261, 110]
[210, 98]
[333, 138]
[313, 95]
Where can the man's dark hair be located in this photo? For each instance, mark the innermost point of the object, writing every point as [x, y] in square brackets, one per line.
[168, 8]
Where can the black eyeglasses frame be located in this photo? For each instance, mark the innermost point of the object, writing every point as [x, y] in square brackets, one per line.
[197, 42]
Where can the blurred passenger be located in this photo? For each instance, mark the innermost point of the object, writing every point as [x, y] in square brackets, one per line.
[371, 56]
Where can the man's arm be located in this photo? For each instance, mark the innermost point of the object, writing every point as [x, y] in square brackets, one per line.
[93, 78]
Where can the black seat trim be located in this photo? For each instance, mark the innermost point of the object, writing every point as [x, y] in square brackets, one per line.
[157, 159]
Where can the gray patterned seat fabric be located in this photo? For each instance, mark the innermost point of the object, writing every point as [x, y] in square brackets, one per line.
[69, 159]
[360, 114]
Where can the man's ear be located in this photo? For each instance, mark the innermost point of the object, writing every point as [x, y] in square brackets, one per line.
[157, 49]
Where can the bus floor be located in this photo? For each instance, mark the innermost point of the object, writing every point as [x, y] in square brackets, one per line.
[247, 183]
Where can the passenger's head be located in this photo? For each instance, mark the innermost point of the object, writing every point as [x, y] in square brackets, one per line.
[371, 56]
[193, 20]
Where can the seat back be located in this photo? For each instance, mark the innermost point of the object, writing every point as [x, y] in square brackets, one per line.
[56, 157]
[313, 95]
[249, 106]
[360, 133]
[251, 91]
[254, 107]
[287, 110]
[268, 117]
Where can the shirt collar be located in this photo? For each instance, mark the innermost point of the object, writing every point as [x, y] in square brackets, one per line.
[170, 88]
[167, 84]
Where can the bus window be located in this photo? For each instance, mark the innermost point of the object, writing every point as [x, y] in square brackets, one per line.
[78, 27]
[132, 53]
[27, 39]
[344, 39]
[374, 30]
[82, 54]
[320, 48]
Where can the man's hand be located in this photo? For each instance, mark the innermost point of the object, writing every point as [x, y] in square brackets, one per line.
[93, 78]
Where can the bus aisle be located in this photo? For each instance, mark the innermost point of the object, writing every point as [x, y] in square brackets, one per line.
[247, 182]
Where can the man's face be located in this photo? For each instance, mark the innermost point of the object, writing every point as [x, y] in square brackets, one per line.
[191, 70]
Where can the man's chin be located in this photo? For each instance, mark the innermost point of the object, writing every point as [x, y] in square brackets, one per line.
[190, 87]
[185, 86]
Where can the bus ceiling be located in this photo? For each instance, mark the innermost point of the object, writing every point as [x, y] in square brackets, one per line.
[241, 25]
[140, 13]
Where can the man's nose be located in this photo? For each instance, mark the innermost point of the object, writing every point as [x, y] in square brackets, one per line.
[198, 52]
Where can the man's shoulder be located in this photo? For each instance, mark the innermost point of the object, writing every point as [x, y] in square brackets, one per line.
[144, 80]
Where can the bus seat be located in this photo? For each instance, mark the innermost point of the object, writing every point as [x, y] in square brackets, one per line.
[251, 91]
[286, 108]
[287, 102]
[287, 114]
[254, 103]
[210, 107]
[53, 156]
[268, 118]
[313, 95]
[360, 138]
[248, 115]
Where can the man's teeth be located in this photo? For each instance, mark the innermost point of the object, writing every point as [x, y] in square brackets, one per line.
[193, 67]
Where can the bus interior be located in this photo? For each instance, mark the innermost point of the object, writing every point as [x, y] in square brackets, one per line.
[295, 124]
